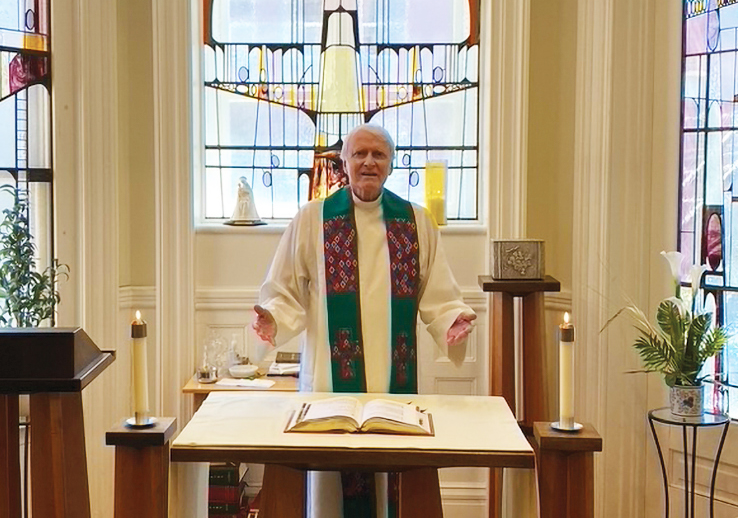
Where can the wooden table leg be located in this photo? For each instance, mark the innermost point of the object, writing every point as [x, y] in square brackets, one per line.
[58, 462]
[142, 469]
[535, 395]
[501, 376]
[282, 492]
[10, 473]
[420, 494]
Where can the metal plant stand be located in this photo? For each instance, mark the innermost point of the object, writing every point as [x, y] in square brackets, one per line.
[707, 419]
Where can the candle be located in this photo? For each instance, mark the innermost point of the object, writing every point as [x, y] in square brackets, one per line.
[566, 371]
[140, 376]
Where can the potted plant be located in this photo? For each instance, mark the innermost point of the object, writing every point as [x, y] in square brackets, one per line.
[27, 297]
[680, 342]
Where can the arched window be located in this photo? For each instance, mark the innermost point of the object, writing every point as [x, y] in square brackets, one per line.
[708, 211]
[285, 80]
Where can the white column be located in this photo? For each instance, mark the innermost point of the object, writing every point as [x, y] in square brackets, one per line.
[85, 107]
[173, 92]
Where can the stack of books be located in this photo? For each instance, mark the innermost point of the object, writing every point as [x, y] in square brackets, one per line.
[225, 491]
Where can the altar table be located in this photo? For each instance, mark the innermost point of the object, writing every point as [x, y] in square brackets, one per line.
[470, 431]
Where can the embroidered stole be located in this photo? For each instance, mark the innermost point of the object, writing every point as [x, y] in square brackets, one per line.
[340, 249]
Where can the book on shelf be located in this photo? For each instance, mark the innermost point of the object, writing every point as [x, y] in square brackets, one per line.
[215, 508]
[224, 494]
[348, 414]
[224, 474]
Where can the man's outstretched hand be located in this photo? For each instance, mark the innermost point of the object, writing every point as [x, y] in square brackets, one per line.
[460, 329]
[265, 325]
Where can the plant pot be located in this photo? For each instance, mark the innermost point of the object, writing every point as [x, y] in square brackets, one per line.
[687, 401]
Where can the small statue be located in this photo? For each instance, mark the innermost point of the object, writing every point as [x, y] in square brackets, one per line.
[244, 213]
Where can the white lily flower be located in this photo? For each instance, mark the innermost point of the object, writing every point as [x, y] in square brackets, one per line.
[696, 273]
[675, 262]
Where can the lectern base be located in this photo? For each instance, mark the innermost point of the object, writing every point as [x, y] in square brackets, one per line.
[58, 460]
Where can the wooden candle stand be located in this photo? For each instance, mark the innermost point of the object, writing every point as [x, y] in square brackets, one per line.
[142, 468]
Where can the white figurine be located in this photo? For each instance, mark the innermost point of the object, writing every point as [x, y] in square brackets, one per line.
[244, 213]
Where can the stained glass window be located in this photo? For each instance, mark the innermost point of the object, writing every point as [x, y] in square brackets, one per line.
[285, 80]
[708, 219]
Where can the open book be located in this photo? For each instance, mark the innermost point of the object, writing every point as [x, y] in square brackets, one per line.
[347, 414]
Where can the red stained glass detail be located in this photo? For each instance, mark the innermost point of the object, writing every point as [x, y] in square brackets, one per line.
[714, 241]
[25, 70]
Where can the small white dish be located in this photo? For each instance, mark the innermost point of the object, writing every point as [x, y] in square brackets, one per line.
[243, 371]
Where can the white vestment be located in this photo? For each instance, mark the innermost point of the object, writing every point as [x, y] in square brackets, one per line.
[295, 293]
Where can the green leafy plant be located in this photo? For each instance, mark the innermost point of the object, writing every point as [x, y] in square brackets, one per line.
[683, 338]
[27, 296]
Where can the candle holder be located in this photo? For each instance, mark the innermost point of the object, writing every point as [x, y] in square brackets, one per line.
[566, 421]
[559, 427]
[140, 422]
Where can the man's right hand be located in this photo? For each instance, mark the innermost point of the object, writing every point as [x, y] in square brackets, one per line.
[265, 325]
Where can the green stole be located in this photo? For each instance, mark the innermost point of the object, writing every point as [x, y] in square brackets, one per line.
[340, 250]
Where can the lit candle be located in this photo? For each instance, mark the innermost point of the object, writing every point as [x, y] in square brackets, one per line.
[566, 371]
[140, 377]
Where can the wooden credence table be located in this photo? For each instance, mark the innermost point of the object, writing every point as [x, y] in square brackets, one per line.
[470, 431]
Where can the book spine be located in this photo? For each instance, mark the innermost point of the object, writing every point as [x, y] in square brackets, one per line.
[223, 476]
[217, 508]
[224, 494]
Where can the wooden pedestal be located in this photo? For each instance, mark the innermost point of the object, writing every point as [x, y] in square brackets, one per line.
[502, 356]
[142, 469]
[566, 471]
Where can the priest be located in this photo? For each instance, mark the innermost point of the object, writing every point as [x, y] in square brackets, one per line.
[355, 271]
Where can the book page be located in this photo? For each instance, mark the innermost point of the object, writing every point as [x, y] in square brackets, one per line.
[334, 407]
[391, 410]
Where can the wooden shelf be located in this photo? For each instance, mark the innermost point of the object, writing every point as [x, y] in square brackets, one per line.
[519, 287]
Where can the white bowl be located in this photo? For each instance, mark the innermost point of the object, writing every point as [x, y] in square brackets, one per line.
[243, 371]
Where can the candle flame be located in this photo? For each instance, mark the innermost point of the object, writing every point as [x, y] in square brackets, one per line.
[138, 315]
[566, 317]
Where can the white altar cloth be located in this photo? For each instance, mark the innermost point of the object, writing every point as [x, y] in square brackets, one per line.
[470, 424]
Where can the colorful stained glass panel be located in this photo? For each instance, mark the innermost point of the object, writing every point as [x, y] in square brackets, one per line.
[709, 167]
[287, 79]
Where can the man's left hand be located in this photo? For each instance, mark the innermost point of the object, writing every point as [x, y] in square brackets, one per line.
[460, 329]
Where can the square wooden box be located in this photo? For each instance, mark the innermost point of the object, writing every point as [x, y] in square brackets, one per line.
[518, 259]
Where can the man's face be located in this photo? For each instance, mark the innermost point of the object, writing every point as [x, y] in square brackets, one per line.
[368, 164]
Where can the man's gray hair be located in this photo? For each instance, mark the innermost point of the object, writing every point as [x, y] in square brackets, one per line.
[374, 129]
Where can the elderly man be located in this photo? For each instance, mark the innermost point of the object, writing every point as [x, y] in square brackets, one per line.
[354, 271]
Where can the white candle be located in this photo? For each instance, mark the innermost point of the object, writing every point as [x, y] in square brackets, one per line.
[140, 376]
[566, 374]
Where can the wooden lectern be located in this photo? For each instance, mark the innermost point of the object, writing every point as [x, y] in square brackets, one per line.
[53, 365]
